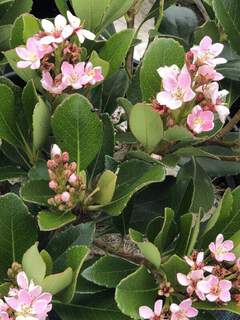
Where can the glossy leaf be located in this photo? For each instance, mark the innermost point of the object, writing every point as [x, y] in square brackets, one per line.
[36, 191]
[52, 220]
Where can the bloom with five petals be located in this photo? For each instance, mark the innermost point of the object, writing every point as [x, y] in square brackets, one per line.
[221, 250]
[31, 55]
[147, 313]
[200, 121]
[183, 311]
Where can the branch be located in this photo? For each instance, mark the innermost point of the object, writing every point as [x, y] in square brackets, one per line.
[229, 126]
[202, 9]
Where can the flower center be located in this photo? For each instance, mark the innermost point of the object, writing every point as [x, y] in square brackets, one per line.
[26, 310]
[198, 121]
[178, 94]
[74, 77]
[91, 73]
[32, 56]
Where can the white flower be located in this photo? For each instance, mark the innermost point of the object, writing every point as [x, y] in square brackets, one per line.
[75, 23]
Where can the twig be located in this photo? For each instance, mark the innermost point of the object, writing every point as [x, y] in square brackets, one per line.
[229, 126]
[129, 59]
[202, 9]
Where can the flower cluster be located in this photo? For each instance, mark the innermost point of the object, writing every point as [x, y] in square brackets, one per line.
[194, 88]
[26, 301]
[52, 51]
[215, 278]
[216, 281]
[65, 181]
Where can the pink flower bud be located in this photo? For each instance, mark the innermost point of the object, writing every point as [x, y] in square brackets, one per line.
[56, 151]
[53, 185]
[72, 179]
[67, 173]
[73, 166]
[65, 196]
[51, 164]
[65, 157]
[57, 198]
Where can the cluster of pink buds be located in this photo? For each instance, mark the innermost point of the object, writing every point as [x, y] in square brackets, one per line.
[217, 282]
[64, 180]
[26, 301]
[52, 51]
[194, 88]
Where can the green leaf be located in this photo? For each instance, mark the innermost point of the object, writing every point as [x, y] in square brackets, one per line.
[178, 133]
[148, 249]
[219, 219]
[99, 306]
[11, 172]
[5, 32]
[231, 306]
[219, 168]
[25, 74]
[15, 10]
[230, 70]
[34, 265]
[62, 6]
[209, 28]
[52, 220]
[113, 88]
[4, 289]
[75, 257]
[25, 26]
[136, 290]
[108, 271]
[41, 124]
[146, 126]
[36, 191]
[98, 62]
[17, 231]
[81, 234]
[106, 185]
[113, 56]
[160, 53]
[202, 189]
[29, 101]
[174, 265]
[165, 235]
[8, 127]
[48, 261]
[77, 129]
[133, 176]
[39, 171]
[55, 283]
[226, 12]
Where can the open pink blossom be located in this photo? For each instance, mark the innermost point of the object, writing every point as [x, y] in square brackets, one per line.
[216, 98]
[57, 32]
[166, 72]
[3, 310]
[93, 74]
[75, 23]
[215, 289]
[198, 263]
[221, 249]
[177, 89]
[208, 73]
[29, 302]
[200, 121]
[31, 54]
[74, 75]
[54, 86]
[147, 313]
[190, 281]
[183, 311]
[207, 52]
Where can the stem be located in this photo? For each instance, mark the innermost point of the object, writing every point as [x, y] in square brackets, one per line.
[202, 9]
[161, 14]
[129, 58]
[229, 126]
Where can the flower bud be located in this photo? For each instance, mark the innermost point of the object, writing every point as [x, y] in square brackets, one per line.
[57, 198]
[72, 179]
[65, 157]
[73, 166]
[53, 185]
[67, 173]
[51, 164]
[65, 196]
[55, 151]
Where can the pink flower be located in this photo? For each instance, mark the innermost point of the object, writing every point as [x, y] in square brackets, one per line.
[198, 263]
[172, 71]
[29, 301]
[211, 92]
[54, 86]
[53, 185]
[3, 310]
[177, 88]
[207, 52]
[57, 32]
[200, 121]
[65, 196]
[183, 311]
[72, 179]
[31, 55]
[221, 249]
[56, 151]
[190, 281]
[215, 289]
[75, 23]
[93, 74]
[74, 75]
[209, 73]
[147, 313]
